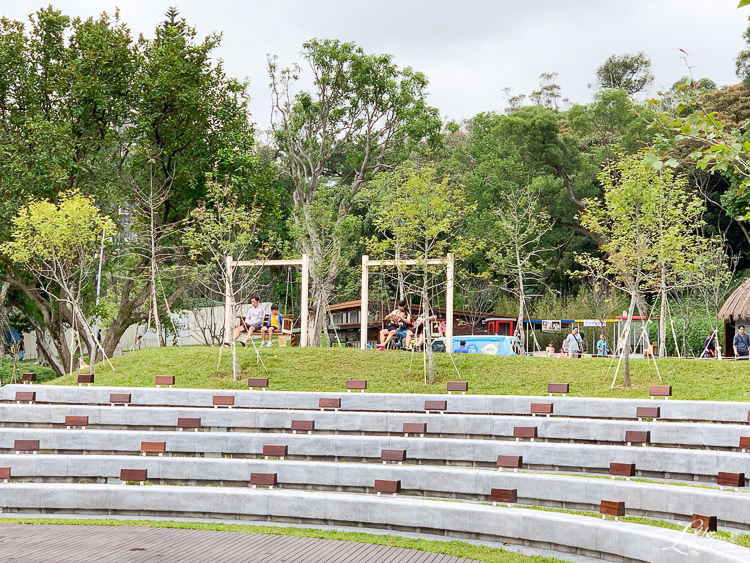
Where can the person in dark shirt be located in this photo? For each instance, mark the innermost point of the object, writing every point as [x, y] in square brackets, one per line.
[741, 343]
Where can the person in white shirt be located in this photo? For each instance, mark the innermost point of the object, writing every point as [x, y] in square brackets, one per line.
[253, 320]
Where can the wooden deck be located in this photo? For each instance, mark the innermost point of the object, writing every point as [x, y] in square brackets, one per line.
[27, 543]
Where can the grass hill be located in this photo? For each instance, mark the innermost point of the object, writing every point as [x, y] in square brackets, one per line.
[327, 369]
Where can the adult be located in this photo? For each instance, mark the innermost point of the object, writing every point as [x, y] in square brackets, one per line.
[462, 349]
[741, 343]
[405, 329]
[584, 343]
[253, 320]
[274, 322]
[391, 327]
[574, 343]
[601, 346]
[21, 348]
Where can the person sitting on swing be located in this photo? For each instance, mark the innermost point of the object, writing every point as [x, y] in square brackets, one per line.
[419, 325]
[253, 321]
[391, 325]
[274, 322]
[405, 332]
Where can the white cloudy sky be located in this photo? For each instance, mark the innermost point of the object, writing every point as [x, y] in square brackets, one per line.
[469, 49]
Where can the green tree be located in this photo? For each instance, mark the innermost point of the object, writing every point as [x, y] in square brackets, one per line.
[628, 72]
[419, 216]
[363, 115]
[648, 224]
[59, 244]
[517, 245]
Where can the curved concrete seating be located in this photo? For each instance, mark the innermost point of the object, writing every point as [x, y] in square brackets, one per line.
[579, 493]
[566, 532]
[394, 402]
[661, 462]
[723, 436]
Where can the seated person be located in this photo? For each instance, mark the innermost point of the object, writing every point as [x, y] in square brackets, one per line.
[391, 325]
[649, 352]
[709, 347]
[550, 349]
[419, 325]
[274, 322]
[253, 320]
[405, 332]
[462, 349]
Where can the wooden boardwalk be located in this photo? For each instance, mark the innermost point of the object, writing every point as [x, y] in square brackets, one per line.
[31, 543]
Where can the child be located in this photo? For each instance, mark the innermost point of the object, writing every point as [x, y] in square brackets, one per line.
[550, 349]
[273, 323]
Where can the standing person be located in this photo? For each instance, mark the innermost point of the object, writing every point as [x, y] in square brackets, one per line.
[584, 344]
[574, 343]
[601, 346]
[21, 348]
[741, 343]
[273, 322]
[253, 321]
[550, 349]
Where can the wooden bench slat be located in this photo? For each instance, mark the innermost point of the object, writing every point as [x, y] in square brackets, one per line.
[745, 442]
[356, 384]
[435, 405]
[329, 403]
[26, 396]
[263, 479]
[26, 445]
[525, 432]
[612, 508]
[660, 391]
[303, 425]
[133, 475]
[270, 450]
[638, 436]
[504, 495]
[462, 386]
[510, 461]
[726, 479]
[76, 420]
[415, 428]
[223, 400]
[393, 455]
[164, 380]
[188, 423]
[257, 382]
[85, 378]
[648, 412]
[622, 469]
[387, 486]
[28, 377]
[117, 398]
[563, 388]
[153, 447]
[703, 522]
[4, 473]
[542, 408]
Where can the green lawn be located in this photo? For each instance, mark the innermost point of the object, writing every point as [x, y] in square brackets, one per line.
[327, 369]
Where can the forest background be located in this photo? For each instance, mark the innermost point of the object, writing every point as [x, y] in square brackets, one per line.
[142, 151]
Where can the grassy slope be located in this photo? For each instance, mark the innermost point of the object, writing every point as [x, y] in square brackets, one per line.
[327, 369]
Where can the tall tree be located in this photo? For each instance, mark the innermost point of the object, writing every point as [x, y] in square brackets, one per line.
[419, 216]
[363, 115]
[628, 72]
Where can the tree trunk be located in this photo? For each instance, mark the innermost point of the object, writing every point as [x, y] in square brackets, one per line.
[322, 289]
[663, 314]
[521, 304]
[427, 328]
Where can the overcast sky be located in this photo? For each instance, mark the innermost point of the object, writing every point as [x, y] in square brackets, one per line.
[469, 49]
